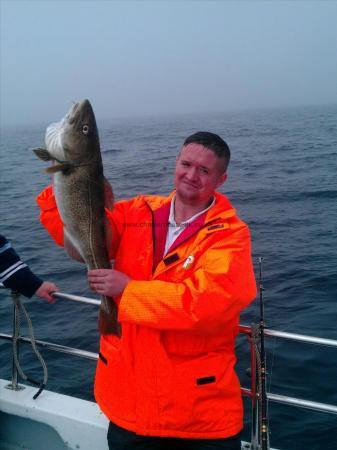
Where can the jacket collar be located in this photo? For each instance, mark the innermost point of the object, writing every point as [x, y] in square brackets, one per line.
[222, 209]
[160, 207]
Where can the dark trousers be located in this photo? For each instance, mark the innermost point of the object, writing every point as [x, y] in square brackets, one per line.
[121, 439]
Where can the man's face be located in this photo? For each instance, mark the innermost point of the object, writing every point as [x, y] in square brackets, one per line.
[198, 173]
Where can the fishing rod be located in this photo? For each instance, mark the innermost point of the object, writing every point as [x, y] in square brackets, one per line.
[264, 428]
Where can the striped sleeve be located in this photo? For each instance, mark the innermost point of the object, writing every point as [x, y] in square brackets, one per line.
[14, 273]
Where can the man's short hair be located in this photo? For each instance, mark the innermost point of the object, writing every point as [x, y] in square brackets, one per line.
[212, 142]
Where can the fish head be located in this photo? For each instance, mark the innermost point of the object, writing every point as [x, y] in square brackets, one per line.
[74, 138]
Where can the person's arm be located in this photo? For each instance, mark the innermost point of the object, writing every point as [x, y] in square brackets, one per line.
[16, 275]
[51, 219]
[220, 287]
[49, 215]
[46, 290]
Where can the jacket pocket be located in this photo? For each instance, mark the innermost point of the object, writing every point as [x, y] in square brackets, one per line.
[203, 394]
[114, 382]
[102, 358]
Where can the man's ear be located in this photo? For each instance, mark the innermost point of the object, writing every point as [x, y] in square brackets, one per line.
[221, 179]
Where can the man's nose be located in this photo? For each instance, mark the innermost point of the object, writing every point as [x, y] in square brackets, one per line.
[192, 174]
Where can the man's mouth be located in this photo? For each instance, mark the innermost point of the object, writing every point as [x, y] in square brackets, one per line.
[192, 185]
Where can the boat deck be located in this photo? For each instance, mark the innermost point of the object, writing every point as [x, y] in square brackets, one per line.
[64, 422]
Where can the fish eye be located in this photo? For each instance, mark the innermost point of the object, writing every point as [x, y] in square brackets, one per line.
[85, 129]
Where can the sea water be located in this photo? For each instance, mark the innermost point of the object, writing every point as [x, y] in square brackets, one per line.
[282, 182]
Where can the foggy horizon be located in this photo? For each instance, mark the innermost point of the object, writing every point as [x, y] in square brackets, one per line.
[139, 59]
[102, 120]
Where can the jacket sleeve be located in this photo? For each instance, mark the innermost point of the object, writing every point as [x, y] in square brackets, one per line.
[51, 219]
[221, 285]
[49, 215]
[15, 274]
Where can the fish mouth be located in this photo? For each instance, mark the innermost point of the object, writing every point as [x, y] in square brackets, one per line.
[71, 114]
[77, 109]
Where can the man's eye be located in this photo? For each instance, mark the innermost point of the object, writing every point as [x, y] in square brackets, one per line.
[204, 171]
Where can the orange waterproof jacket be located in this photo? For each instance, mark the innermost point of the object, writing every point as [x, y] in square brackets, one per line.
[172, 371]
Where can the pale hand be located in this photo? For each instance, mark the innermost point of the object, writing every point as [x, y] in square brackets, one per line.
[45, 291]
[108, 282]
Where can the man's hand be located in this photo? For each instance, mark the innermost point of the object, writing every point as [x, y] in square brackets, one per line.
[107, 282]
[45, 291]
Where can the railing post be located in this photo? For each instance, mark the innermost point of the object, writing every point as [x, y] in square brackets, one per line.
[255, 403]
[14, 385]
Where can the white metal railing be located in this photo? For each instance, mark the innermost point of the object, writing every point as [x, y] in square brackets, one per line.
[77, 298]
[243, 329]
[301, 403]
[293, 336]
[54, 347]
[291, 401]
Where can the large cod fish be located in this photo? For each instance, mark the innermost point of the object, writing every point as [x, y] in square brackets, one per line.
[79, 186]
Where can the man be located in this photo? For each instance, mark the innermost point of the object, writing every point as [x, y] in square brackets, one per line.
[181, 277]
[16, 275]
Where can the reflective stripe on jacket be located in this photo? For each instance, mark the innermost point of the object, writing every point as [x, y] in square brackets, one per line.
[15, 274]
[172, 372]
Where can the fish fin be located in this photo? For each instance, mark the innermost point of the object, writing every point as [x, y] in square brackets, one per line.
[43, 154]
[71, 249]
[109, 197]
[107, 321]
[63, 167]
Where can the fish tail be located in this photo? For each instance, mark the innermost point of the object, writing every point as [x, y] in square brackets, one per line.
[107, 321]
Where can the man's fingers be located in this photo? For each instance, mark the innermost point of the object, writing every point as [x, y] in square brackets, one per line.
[98, 288]
[96, 282]
[98, 272]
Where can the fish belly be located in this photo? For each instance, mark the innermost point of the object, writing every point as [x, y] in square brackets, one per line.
[82, 213]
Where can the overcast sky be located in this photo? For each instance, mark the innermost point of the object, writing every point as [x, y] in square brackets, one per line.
[134, 58]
